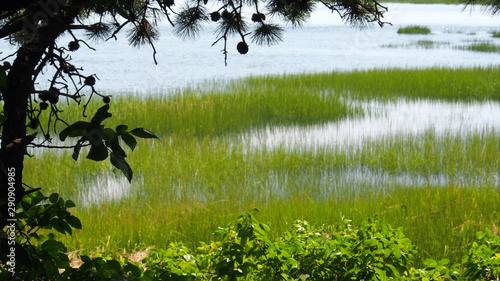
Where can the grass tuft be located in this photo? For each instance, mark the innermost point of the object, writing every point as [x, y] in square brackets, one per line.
[414, 29]
[483, 47]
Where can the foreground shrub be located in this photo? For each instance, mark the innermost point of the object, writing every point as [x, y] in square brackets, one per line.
[483, 261]
[246, 250]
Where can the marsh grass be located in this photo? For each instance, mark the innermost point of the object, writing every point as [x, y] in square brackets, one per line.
[192, 113]
[462, 84]
[414, 29]
[485, 47]
[439, 188]
[426, 44]
[495, 34]
[189, 187]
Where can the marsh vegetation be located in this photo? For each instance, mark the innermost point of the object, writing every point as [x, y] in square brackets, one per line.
[440, 185]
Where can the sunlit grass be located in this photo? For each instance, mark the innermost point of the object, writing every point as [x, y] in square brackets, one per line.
[216, 112]
[414, 29]
[186, 188]
[440, 188]
[485, 47]
[393, 84]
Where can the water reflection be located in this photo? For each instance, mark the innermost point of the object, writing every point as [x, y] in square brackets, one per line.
[381, 120]
[103, 189]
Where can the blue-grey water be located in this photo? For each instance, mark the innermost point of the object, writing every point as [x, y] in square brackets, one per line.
[325, 43]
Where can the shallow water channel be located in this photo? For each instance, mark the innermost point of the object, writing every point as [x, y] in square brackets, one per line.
[382, 119]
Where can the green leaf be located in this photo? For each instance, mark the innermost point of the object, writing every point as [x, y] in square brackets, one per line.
[101, 115]
[56, 224]
[62, 214]
[114, 265]
[136, 271]
[121, 128]
[479, 235]
[3, 77]
[2, 118]
[115, 146]
[98, 152]
[66, 227]
[443, 262]
[53, 198]
[74, 130]
[85, 259]
[129, 140]
[121, 164]
[143, 133]
[69, 204]
[392, 269]
[108, 134]
[74, 222]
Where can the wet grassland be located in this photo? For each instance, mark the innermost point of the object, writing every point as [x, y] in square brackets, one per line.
[440, 186]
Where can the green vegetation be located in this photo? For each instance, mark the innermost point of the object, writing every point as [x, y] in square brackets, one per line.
[485, 47]
[247, 250]
[393, 84]
[426, 44]
[414, 29]
[495, 34]
[200, 175]
[200, 113]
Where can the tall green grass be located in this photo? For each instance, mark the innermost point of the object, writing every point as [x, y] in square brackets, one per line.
[485, 47]
[217, 112]
[439, 188]
[463, 84]
[186, 188]
[414, 29]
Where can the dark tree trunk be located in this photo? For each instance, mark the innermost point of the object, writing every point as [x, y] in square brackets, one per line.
[20, 85]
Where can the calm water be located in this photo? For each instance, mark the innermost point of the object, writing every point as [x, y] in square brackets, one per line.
[384, 120]
[324, 44]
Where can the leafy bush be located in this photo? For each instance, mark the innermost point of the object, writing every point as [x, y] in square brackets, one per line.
[245, 249]
[483, 261]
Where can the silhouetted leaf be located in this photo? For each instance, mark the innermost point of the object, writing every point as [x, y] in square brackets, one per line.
[74, 222]
[101, 115]
[116, 148]
[121, 164]
[74, 130]
[98, 152]
[143, 133]
[53, 197]
[121, 128]
[129, 140]
[69, 204]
